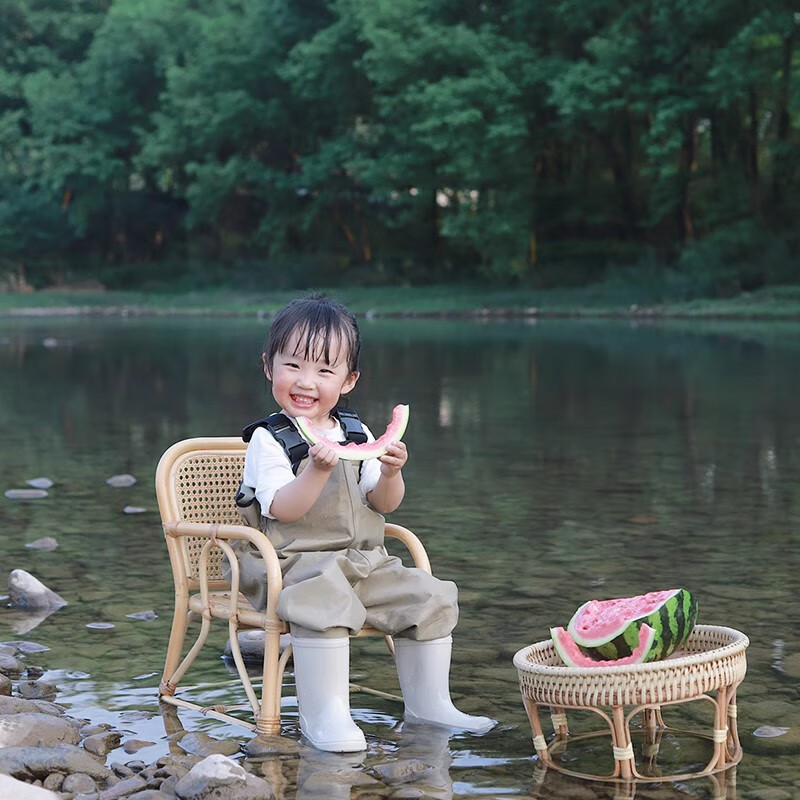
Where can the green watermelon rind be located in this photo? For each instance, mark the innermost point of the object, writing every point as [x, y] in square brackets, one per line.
[647, 640]
[677, 614]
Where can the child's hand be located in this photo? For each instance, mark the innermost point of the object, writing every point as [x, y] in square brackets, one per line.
[323, 456]
[394, 459]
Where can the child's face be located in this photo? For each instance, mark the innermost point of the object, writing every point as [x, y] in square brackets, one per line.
[309, 386]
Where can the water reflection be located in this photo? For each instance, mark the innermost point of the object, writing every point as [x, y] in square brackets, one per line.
[549, 464]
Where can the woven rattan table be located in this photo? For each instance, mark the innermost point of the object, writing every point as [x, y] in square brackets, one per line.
[713, 660]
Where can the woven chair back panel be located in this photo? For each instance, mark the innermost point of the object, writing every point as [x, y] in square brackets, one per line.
[205, 487]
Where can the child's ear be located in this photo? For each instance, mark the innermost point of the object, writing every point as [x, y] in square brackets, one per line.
[349, 384]
[267, 369]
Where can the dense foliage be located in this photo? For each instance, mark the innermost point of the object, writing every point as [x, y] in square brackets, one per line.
[143, 140]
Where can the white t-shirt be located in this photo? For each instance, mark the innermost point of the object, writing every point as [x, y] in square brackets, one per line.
[267, 467]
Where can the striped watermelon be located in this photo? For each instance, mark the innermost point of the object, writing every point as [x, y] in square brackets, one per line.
[572, 656]
[609, 629]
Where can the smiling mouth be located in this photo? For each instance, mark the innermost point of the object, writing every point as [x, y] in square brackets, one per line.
[302, 400]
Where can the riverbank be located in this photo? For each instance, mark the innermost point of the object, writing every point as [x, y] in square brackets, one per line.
[613, 301]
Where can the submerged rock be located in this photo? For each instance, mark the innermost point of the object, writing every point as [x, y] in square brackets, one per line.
[197, 743]
[220, 776]
[134, 510]
[36, 763]
[121, 481]
[45, 543]
[27, 729]
[27, 592]
[40, 483]
[25, 494]
[146, 616]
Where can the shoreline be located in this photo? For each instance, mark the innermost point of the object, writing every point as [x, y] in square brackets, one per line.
[638, 314]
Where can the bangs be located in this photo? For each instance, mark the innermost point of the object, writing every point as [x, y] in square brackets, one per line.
[323, 330]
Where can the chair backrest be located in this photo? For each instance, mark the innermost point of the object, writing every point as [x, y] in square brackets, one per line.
[196, 481]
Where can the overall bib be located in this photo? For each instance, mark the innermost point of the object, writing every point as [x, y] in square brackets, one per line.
[337, 573]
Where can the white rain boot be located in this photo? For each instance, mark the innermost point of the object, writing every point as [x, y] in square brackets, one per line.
[423, 669]
[322, 675]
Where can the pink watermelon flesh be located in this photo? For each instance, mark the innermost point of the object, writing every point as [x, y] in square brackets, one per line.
[571, 655]
[599, 621]
[360, 452]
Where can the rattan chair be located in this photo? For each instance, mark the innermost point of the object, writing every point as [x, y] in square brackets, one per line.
[196, 482]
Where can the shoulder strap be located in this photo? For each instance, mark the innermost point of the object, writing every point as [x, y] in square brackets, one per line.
[351, 424]
[289, 438]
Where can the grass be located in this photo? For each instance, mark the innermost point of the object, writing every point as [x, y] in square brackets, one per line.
[598, 300]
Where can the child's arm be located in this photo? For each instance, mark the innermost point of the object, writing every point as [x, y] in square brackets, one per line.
[390, 488]
[295, 498]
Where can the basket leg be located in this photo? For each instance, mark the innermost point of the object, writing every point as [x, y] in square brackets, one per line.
[622, 747]
[539, 742]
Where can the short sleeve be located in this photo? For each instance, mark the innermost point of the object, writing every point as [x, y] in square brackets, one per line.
[266, 468]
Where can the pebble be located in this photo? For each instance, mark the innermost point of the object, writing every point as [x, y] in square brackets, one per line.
[133, 510]
[146, 616]
[40, 483]
[102, 744]
[134, 745]
[37, 690]
[25, 494]
[45, 543]
[121, 481]
[78, 782]
[100, 626]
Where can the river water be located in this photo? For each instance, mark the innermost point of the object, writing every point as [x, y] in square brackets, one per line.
[550, 463]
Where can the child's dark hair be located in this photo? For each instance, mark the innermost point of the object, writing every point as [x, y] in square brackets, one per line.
[321, 324]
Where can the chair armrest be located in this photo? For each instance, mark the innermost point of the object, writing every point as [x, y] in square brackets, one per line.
[412, 543]
[177, 529]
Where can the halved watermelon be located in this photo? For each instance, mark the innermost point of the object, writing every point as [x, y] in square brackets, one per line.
[610, 628]
[572, 656]
[360, 452]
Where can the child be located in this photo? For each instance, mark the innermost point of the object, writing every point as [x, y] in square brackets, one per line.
[325, 524]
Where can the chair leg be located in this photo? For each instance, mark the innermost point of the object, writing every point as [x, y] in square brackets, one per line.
[268, 722]
[177, 636]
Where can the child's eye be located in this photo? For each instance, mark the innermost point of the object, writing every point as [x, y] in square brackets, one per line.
[327, 371]
[291, 364]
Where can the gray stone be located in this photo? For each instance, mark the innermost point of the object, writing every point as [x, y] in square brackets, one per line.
[11, 666]
[46, 543]
[134, 745]
[121, 481]
[40, 483]
[35, 729]
[18, 705]
[101, 744]
[787, 743]
[5, 685]
[401, 771]
[201, 744]
[91, 730]
[124, 788]
[218, 777]
[262, 747]
[18, 790]
[26, 494]
[53, 781]
[31, 763]
[37, 690]
[26, 591]
[78, 783]
[151, 794]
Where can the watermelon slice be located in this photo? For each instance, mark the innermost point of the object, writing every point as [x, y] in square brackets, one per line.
[610, 628]
[572, 656]
[360, 452]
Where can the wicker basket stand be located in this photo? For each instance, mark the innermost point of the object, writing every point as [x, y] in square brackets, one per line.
[713, 661]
